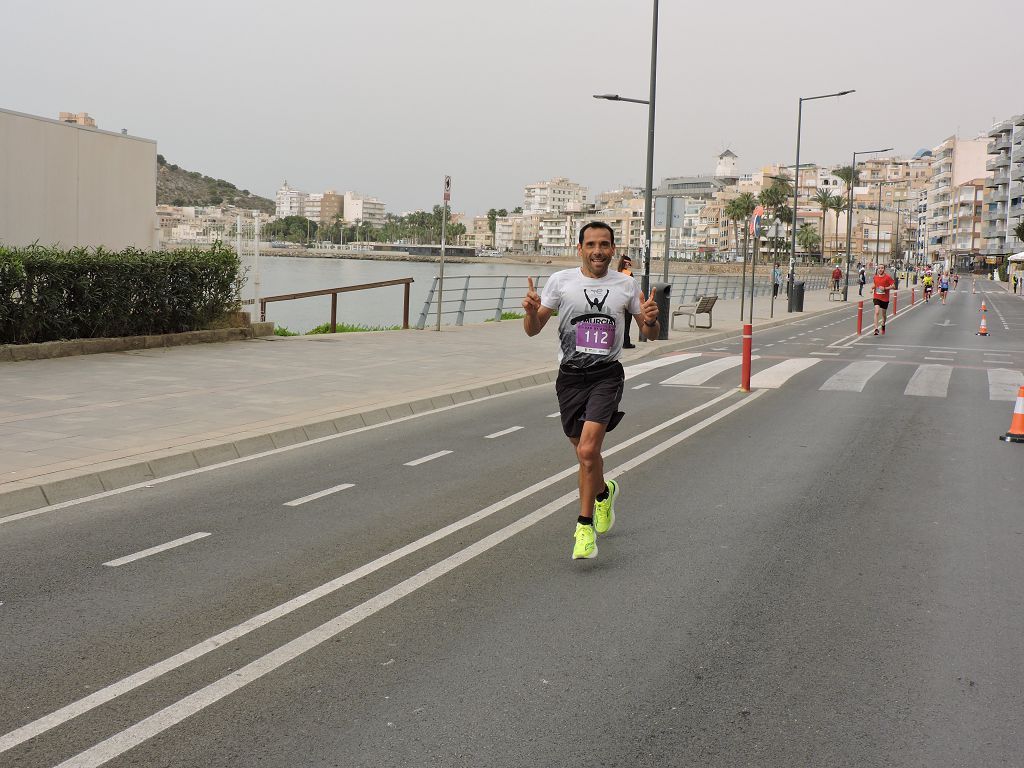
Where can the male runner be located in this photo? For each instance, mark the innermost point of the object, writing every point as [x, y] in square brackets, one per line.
[592, 303]
[883, 284]
[927, 286]
[943, 286]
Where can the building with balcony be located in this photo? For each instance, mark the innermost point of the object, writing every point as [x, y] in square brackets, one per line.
[365, 210]
[554, 196]
[289, 201]
[1004, 190]
[955, 162]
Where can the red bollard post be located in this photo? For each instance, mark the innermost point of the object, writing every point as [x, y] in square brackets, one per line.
[912, 296]
[860, 316]
[895, 295]
[748, 343]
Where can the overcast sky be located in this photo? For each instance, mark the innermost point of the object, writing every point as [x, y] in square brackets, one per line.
[386, 96]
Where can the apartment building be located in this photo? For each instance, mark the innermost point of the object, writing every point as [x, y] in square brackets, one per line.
[77, 118]
[1004, 191]
[367, 210]
[554, 196]
[289, 201]
[955, 162]
[332, 206]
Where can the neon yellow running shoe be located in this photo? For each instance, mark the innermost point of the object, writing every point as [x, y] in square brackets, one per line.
[586, 542]
[604, 511]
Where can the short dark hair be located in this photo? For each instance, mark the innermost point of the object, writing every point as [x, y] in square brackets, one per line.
[599, 225]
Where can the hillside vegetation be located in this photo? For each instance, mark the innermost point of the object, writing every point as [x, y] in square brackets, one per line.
[176, 186]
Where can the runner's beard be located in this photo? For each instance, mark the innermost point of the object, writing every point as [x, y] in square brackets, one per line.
[598, 266]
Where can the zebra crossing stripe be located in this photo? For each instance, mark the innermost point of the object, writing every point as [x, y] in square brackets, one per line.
[929, 381]
[1004, 383]
[779, 374]
[853, 377]
[702, 373]
[636, 370]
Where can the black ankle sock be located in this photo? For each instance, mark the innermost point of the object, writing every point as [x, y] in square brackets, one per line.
[585, 520]
[603, 495]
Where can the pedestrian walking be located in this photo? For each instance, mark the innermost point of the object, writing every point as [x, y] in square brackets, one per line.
[862, 278]
[883, 283]
[776, 280]
[837, 276]
[592, 303]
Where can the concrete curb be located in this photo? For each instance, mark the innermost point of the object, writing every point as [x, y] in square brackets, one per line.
[47, 350]
[98, 480]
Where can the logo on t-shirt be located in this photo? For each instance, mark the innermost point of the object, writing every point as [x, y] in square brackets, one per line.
[596, 297]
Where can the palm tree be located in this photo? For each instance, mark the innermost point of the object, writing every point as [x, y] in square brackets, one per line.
[774, 198]
[807, 237]
[848, 174]
[1019, 231]
[740, 209]
[838, 206]
[823, 197]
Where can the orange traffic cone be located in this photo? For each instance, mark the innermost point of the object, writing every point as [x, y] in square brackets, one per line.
[983, 328]
[1016, 433]
[983, 306]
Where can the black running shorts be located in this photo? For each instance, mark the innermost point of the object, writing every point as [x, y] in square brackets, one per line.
[591, 395]
[882, 304]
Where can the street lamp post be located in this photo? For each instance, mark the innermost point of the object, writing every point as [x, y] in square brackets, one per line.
[646, 281]
[796, 173]
[849, 213]
[878, 224]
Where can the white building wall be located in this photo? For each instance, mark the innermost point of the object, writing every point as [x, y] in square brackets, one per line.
[71, 185]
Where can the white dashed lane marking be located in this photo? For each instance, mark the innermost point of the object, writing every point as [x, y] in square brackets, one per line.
[156, 549]
[503, 432]
[318, 495]
[425, 459]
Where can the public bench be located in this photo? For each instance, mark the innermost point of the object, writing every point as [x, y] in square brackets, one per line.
[702, 306]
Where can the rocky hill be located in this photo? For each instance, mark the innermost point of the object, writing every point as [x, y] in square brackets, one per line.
[176, 186]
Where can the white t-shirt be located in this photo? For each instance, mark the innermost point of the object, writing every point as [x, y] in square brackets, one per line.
[591, 315]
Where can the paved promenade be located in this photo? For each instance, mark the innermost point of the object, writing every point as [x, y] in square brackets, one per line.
[77, 426]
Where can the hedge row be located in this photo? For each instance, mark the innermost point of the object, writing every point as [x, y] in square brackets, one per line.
[47, 294]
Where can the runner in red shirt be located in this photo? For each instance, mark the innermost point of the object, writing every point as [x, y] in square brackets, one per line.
[883, 284]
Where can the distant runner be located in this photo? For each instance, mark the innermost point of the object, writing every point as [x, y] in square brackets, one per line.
[927, 286]
[592, 305]
[943, 286]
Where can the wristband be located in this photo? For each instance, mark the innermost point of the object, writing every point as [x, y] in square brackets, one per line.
[650, 324]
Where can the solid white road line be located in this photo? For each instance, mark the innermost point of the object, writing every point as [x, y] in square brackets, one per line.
[253, 457]
[150, 673]
[1003, 384]
[641, 386]
[318, 495]
[636, 370]
[554, 415]
[154, 550]
[780, 373]
[503, 432]
[173, 714]
[929, 381]
[829, 354]
[853, 377]
[702, 373]
[948, 359]
[425, 459]
[887, 357]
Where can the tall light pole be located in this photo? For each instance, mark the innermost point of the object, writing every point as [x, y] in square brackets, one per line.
[796, 173]
[646, 281]
[849, 212]
[878, 224]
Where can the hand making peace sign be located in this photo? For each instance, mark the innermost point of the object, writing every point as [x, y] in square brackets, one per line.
[532, 301]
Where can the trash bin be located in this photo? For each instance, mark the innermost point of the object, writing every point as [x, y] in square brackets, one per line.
[663, 298]
[796, 297]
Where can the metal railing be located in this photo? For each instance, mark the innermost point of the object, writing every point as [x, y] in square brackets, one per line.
[333, 292]
[486, 297]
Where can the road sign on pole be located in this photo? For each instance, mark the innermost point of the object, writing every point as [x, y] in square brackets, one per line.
[447, 188]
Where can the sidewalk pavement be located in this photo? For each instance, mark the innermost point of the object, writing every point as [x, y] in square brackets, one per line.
[76, 426]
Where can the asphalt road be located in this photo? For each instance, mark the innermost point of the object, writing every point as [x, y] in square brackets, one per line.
[825, 571]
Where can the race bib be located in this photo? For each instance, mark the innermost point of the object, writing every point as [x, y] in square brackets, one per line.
[595, 338]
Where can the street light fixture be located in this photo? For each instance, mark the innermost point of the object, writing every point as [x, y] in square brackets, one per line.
[645, 284]
[849, 212]
[796, 173]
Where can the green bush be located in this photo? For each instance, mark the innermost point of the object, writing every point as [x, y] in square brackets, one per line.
[48, 294]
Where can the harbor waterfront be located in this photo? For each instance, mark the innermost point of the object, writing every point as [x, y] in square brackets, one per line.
[383, 306]
[376, 307]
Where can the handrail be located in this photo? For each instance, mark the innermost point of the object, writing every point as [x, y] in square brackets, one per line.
[333, 292]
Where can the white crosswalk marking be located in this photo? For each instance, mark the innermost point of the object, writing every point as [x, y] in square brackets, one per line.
[702, 373]
[636, 370]
[853, 377]
[779, 374]
[929, 381]
[1004, 383]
